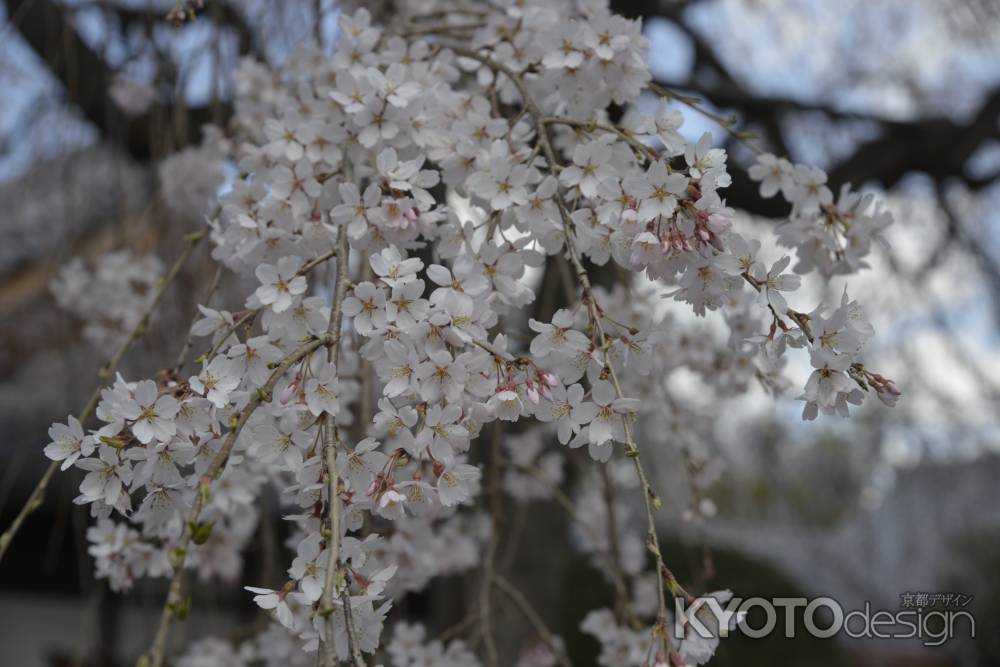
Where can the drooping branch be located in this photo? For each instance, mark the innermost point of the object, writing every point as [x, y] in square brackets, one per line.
[330, 443]
[37, 496]
[155, 656]
[937, 146]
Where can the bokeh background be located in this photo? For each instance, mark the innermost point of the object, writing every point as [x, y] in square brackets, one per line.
[897, 96]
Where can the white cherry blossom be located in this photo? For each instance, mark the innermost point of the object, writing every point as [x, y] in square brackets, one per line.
[279, 284]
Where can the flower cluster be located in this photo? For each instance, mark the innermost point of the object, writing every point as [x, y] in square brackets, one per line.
[190, 178]
[109, 297]
[831, 237]
[394, 202]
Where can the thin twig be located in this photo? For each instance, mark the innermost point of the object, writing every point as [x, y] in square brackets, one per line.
[489, 560]
[458, 628]
[227, 334]
[413, 30]
[353, 645]
[251, 314]
[534, 618]
[650, 500]
[497, 354]
[725, 123]
[189, 341]
[614, 550]
[590, 126]
[564, 501]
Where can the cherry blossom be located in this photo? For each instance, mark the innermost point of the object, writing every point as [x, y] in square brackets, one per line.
[568, 410]
[395, 206]
[154, 414]
[321, 391]
[280, 283]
